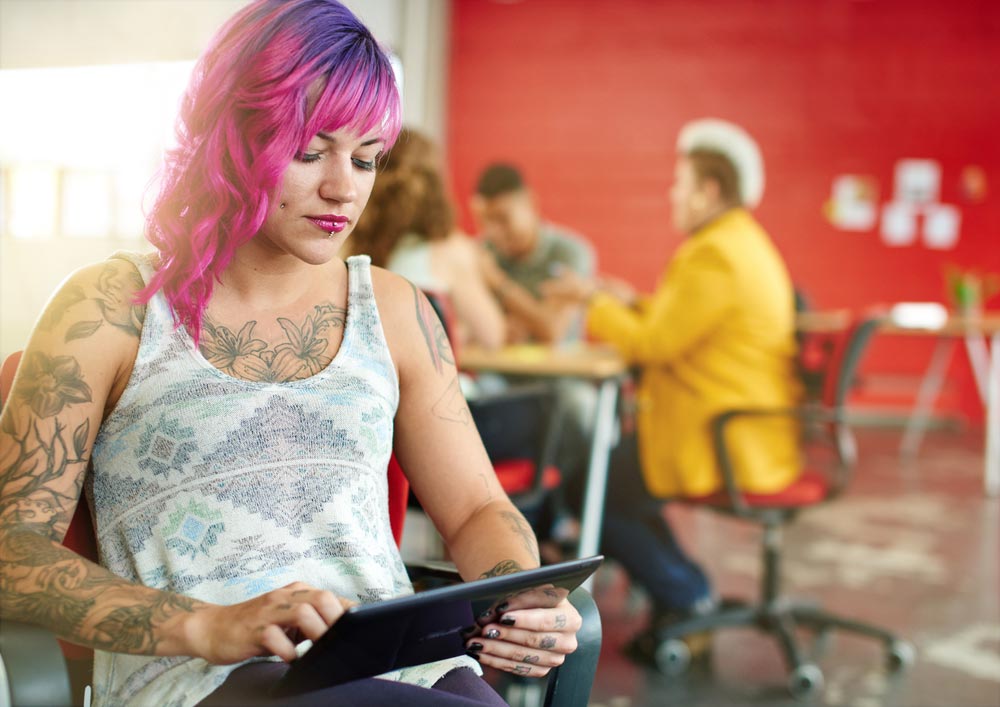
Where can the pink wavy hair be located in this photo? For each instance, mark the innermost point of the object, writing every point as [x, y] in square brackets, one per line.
[276, 73]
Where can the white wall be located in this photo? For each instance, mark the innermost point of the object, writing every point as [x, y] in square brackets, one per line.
[53, 33]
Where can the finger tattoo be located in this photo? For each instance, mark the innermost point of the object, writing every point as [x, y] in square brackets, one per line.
[521, 670]
[561, 621]
[547, 642]
[531, 659]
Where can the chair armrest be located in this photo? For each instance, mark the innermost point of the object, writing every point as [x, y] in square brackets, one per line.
[32, 668]
[834, 417]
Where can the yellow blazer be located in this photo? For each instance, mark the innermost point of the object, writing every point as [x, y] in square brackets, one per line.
[718, 333]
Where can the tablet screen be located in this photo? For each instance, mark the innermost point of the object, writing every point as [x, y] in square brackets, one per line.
[372, 639]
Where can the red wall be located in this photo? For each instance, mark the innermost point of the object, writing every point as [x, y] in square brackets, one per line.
[588, 96]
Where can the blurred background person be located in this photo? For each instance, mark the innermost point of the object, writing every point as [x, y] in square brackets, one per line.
[717, 334]
[523, 252]
[409, 228]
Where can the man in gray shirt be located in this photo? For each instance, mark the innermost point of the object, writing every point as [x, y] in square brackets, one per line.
[526, 252]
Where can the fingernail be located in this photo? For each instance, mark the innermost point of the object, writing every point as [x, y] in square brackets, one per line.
[493, 633]
[469, 630]
[474, 656]
[507, 621]
[475, 646]
[486, 614]
[502, 608]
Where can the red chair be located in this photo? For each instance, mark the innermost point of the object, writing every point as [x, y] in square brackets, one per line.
[773, 612]
[35, 669]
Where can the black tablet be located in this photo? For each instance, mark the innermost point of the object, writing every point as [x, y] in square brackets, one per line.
[372, 639]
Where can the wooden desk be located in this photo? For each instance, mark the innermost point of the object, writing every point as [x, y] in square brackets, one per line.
[984, 358]
[597, 364]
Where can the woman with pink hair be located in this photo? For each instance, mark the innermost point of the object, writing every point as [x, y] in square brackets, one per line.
[230, 403]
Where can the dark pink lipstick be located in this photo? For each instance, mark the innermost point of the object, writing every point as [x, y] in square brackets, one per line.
[330, 223]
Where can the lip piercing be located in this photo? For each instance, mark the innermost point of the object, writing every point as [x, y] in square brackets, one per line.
[332, 233]
[281, 205]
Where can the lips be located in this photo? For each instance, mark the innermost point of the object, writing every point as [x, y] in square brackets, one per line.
[330, 223]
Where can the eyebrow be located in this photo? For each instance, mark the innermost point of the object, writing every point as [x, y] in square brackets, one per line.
[330, 138]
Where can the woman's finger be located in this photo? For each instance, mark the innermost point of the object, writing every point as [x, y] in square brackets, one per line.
[527, 666]
[562, 618]
[503, 640]
[273, 639]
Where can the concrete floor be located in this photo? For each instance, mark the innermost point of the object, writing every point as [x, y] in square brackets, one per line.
[912, 547]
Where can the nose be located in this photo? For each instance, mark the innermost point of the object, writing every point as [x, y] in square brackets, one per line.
[339, 181]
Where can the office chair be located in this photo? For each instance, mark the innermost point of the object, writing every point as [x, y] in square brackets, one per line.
[773, 612]
[36, 668]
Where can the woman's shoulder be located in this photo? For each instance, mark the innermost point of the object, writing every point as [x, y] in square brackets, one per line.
[100, 293]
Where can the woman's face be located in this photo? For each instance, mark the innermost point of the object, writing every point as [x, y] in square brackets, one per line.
[323, 192]
[689, 200]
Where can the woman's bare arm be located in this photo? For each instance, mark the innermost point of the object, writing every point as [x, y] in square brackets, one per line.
[75, 366]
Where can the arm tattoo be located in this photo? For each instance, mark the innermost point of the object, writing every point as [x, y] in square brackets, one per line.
[520, 526]
[303, 353]
[434, 334]
[451, 406]
[116, 287]
[502, 568]
[42, 469]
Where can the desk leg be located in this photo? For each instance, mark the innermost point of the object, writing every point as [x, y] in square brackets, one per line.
[930, 388]
[979, 360]
[592, 516]
[992, 452]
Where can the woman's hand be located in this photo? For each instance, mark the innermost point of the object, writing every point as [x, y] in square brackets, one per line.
[529, 634]
[270, 624]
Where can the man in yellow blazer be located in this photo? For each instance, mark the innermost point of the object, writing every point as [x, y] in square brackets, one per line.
[717, 334]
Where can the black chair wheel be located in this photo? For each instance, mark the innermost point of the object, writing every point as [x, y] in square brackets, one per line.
[673, 657]
[902, 654]
[805, 681]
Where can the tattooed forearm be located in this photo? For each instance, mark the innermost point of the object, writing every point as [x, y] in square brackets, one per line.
[43, 458]
[520, 526]
[44, 583]
[434, 334]
[502, 568]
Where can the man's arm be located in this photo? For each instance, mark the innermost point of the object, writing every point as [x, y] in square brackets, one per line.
[691, 302]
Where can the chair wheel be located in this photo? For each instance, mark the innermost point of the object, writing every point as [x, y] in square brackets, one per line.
[805, 681]
[673, 657]
[902, 654]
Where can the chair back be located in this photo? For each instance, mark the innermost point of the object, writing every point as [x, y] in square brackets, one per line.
[840, 378]
[846, 358]
[7, 370]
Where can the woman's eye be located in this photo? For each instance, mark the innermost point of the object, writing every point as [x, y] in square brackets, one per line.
[309, 156]
[368, 165]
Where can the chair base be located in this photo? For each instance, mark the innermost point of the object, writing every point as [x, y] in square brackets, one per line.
[781, 618]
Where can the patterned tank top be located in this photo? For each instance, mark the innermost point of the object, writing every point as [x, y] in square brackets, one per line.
[222, 489]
